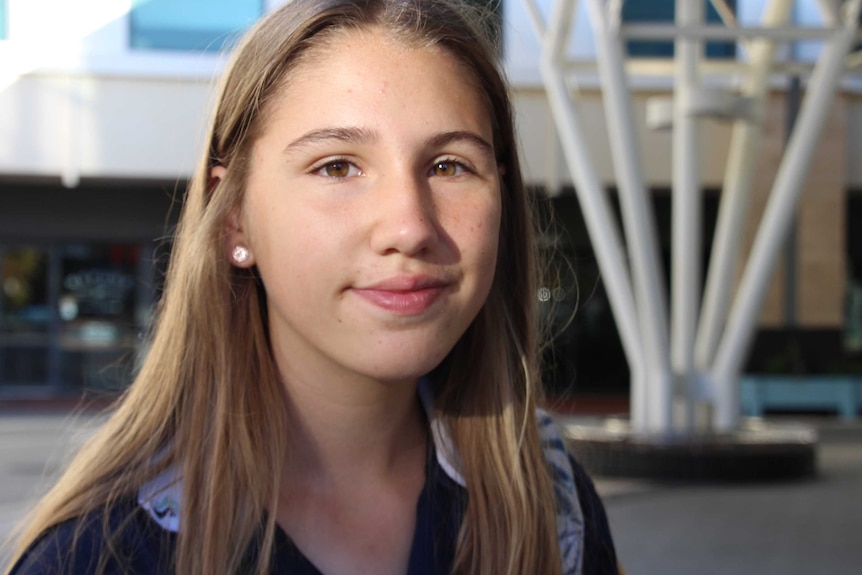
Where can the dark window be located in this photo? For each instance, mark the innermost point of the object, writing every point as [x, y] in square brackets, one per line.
[71, 313]
[25, 315]
[586, 355]
[664, 11]
[190, 25]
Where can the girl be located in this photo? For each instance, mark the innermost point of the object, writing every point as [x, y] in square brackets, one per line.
[343, 375]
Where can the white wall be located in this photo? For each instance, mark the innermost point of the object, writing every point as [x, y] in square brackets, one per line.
[85, 105]
[544, 163]
[77, 101]
[72, 126]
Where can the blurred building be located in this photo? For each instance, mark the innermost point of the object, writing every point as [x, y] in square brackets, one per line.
[103, 107]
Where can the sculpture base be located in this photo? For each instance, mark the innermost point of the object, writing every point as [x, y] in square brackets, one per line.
[757, 451]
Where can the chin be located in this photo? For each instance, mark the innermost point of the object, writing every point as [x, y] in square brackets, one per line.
[406, 369]
[400, 376]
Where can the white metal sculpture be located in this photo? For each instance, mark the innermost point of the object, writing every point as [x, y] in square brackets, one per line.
[694, 359]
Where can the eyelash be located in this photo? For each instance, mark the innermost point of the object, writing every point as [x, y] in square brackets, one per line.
[318, 169]
[464, 168]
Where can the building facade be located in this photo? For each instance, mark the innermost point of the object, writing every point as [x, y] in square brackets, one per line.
[103, 108]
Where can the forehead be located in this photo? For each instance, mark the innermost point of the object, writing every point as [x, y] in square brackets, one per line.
[343, 62]
[386, 40]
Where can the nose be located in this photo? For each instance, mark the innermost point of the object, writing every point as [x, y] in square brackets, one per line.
[405, 219]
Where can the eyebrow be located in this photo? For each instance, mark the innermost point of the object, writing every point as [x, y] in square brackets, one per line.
[356, 135]
[348, 135]
[445, 138]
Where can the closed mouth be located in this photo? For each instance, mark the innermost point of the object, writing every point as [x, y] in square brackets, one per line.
[404, 295]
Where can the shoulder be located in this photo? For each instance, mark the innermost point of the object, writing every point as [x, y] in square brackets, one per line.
[586, 544]
[599, 552]
[122, 541]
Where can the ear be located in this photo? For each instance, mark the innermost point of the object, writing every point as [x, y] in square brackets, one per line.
[234, 230]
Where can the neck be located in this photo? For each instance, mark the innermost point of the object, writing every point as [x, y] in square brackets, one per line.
[346, 431]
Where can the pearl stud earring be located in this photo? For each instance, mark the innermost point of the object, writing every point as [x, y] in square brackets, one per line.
[240, 254]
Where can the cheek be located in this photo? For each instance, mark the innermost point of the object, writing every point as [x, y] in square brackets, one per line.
[489, 226]
[482, 236]
[299, 245]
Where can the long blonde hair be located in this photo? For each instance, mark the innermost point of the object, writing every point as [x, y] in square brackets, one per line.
[208, 401]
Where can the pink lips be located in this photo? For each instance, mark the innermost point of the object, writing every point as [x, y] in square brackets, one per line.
[403, 295]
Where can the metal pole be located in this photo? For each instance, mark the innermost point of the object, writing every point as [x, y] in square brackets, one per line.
[794, 97]
[718, 32]
[595, 206]
[741, 159]
[553, 181]
[776, 219]
[725, 12]
[535, 18]
[829, 12]
[686, 217]
[637, 218]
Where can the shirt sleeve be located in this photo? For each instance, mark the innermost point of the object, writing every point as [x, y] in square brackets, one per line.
[64, 549]
[132, 546]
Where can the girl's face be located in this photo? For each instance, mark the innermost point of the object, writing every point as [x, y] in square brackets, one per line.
[372, 210]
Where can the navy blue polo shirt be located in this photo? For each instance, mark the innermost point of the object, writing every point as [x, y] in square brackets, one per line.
[145, 548]
[143, 530]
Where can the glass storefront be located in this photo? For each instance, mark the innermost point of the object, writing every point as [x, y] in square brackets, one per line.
[25, 318]
[71, 314]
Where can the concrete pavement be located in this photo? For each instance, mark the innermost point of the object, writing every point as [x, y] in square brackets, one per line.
[792, 528]
[34, 448]
[802, 527]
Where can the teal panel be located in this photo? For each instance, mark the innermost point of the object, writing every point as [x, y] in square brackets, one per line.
[190, 25]
[4, 32]
[663, 11]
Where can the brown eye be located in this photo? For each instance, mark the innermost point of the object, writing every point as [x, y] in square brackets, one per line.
[339, 169]
[446, 169]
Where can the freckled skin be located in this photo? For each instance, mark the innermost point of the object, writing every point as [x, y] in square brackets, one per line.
[317, 239]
